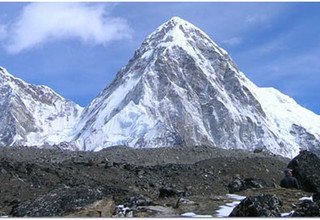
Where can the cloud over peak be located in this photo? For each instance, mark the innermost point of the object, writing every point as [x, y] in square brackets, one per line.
[40, 23]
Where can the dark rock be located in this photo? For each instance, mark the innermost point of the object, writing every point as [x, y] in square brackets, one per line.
[58, 202]
[306, 168]
[139, 200]
[83, 161]
[3, 214]
[253, 183]
[169, 192]
[258, 206]
[306, 208]
[108, 164]
[316, 197]
[128, 167]
[238, 184]
[258, 150]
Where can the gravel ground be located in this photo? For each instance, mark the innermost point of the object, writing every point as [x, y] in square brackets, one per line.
[202, 173]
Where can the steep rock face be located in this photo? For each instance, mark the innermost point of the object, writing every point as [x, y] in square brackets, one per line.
[180, 88]
[33, 115]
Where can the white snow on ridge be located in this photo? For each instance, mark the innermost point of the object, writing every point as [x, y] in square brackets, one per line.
[51, 115]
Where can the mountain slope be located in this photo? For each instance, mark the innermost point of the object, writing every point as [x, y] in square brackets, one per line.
[180, 88]
[33, 115]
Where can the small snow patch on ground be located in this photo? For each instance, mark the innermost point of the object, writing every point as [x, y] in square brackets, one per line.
[226, 209]
[306, 198]
[286, 214]
[192, 214]
[235, 197]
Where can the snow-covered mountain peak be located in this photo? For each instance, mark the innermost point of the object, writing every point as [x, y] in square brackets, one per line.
[33, 114]
[181, 88]
[178, 34]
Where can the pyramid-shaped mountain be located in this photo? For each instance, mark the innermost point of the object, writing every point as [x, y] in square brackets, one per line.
[181, 89]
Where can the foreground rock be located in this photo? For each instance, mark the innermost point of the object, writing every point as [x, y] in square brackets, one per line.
[308, 208]
[258, 206]
[306, 168]
[58, 202]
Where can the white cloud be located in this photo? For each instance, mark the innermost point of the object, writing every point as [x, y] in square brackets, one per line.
[232, 41]
[40, 23]
[3, 32]
[256, 18]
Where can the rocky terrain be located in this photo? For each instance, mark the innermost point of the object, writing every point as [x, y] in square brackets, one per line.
[151, 182]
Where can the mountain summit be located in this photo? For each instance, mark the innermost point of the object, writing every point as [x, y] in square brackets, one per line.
[181, 88]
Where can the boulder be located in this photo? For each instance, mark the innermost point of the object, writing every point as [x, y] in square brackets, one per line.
[169, 192]
[237, 184]
[306, 208]
[139, 200]
[306, 168]
[58, 202]
[258, 206]
[316, 197]
[253, 183]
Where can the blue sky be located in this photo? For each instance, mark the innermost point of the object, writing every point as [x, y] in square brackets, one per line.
[77, 48]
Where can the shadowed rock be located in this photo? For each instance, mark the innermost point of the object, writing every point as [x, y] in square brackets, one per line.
[306, 168]
[307, 208]
[169, 192]
[258, 206]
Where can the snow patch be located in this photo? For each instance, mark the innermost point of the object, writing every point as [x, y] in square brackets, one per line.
[226, 209]
[193, 215]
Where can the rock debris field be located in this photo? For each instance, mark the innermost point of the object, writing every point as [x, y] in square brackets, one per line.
[161, 182]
